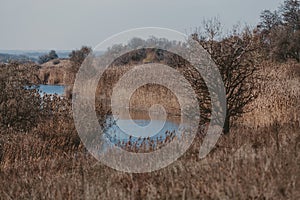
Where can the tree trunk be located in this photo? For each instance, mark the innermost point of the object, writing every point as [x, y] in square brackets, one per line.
[226, 128]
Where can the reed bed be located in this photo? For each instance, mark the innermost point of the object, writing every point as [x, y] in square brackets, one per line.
[259, 159]
[279, 100]
[245, 165]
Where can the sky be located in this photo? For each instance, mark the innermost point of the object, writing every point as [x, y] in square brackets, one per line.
[69, 24]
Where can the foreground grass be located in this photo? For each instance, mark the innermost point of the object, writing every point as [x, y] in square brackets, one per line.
[259, 159]
[248, 164]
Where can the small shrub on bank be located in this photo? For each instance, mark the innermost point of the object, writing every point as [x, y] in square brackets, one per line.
[46, 58]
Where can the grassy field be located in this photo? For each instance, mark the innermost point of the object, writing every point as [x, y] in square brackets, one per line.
[259, 159]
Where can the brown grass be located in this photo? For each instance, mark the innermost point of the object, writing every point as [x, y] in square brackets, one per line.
[258, 160]
[61, 73]
[246, 165]
[279, 99]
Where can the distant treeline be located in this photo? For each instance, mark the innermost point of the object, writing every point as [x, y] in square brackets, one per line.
[6, 58]
[28, 56]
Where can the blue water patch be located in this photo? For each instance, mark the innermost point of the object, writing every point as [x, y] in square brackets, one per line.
[114, 135]
[48, 89]
[51, 89]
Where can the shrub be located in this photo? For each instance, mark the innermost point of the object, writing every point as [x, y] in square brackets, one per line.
[46, 58]
[78, 56]
[19, 105]
[56, 62]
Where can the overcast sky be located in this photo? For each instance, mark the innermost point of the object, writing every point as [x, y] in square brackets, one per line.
[69, 24]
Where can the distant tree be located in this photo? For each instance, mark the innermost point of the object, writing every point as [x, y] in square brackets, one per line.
[78, 56]
[269, 20]
[136, 43]
[53, 55]
[212, 29]
[291, 13]
[280, 31]
[46, 58]
[291, 18]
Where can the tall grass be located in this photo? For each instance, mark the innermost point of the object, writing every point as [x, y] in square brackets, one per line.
[259, 159]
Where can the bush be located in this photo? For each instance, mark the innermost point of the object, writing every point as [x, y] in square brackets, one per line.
[78, 56]
[46, 58]
[19, 105]
[56, 62]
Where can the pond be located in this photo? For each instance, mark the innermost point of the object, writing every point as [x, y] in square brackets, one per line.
[124, 130]
[121, 133]
[51, 89]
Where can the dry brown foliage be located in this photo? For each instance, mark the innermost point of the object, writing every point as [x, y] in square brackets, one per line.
[258, 160]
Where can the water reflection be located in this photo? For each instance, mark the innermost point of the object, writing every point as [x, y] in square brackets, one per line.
[114, 135]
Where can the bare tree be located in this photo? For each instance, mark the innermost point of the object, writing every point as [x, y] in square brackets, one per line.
[291, 13]
[269, 20]
[236, 58]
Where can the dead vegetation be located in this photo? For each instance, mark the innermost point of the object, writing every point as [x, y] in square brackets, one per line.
[258, 160]
[56, 74]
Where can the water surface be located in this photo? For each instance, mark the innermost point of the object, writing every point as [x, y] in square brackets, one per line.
[51, 89]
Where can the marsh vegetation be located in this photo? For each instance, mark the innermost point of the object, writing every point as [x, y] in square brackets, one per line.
[257, 157]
